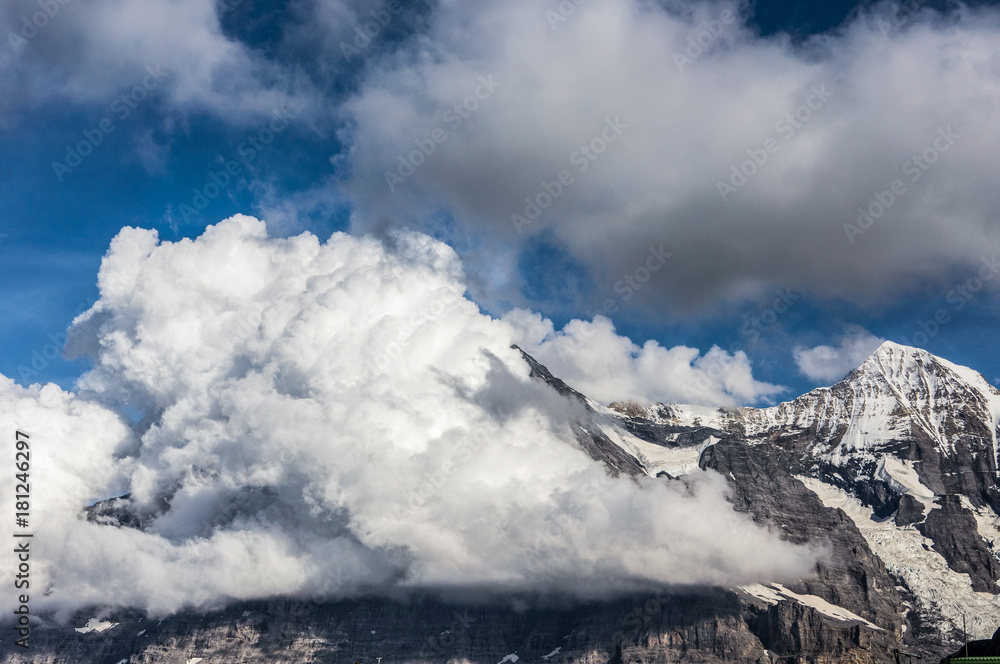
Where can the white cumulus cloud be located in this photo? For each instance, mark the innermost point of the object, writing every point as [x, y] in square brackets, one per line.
[329, 419]
[608, 367]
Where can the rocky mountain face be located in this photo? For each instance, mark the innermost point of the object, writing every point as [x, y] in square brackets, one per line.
[893, 471]
[906, 446]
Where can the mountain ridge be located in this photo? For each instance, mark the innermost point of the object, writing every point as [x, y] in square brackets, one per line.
[900, 496]
[899, 396]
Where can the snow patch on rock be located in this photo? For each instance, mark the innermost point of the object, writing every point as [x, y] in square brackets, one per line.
[95, 625]
[776, 592]
[675, 461]
[902, 478]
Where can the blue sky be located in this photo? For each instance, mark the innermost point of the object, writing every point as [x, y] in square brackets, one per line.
[309, 120]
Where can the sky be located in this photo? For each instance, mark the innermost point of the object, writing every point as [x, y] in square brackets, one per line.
[647, 110]
[457, 120]
[264, 262]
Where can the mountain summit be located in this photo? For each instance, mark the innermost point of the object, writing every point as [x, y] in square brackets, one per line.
[939, 417]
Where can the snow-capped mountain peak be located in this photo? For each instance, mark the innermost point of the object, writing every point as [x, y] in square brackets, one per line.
[932, 416]
[901, 385]
[893, 361]
[908, 369]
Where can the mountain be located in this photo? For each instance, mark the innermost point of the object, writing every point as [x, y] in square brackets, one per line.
[905, 421]
[906, 445]
[892, 472]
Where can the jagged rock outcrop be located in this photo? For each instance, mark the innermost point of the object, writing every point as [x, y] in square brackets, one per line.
[903, 402]
[588, 433]
[910, 511]
[953, 531]
[699, 625]
[908, 436]
[849, 575]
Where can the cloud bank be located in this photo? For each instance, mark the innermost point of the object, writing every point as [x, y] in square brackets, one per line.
[857, 165]
[328, 419]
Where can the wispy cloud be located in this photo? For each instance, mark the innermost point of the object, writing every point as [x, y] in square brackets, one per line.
[830, 363]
